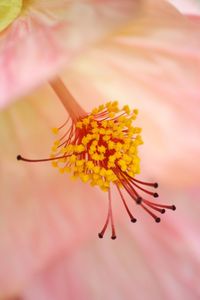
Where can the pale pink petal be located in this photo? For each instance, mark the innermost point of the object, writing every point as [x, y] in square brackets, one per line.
[158, 71]
[48, 223]
[43, 213]
[50, 33]
[187, 6]
[146, 262]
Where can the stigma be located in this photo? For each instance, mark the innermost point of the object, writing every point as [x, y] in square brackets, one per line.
[101, 148]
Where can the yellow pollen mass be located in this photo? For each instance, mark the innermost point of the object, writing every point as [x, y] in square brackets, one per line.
[101, 147]
[9, 11]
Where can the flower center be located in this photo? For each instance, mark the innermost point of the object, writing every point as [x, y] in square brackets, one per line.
[102, 148]
[9, 11]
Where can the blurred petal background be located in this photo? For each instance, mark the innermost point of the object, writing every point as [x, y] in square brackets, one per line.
[187, 6]
[49, 247]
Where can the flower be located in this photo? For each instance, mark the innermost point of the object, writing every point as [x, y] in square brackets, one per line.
[48, 222]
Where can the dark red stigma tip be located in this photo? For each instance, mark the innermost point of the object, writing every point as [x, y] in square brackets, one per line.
[162, 211]
[19, 157]
[113, 237]
[155, 195]
[139, 200]
[133, 220]
[155, 185]
[100, 235]
[157, 220]
[173, 207]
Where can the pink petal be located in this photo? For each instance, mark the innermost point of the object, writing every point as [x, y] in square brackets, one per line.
[187, 6]
[43, 213]
[49, 34]
[49, 229]
[146, 262]
[158, 71]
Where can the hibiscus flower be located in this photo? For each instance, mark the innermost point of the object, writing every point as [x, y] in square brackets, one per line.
[150, 61]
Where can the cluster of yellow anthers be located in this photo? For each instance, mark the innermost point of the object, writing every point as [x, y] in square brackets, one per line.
[101, 146]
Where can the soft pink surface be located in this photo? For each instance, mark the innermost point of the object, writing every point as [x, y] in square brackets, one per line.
[154, 65]
[51, 33]
[187, 6]
[49, 247]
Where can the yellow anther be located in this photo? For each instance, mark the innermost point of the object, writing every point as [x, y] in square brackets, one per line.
[79, 148]
[132, 150]
[56, 143]
[85, 178]
[111, 123]
[74, 176]
[137, 130]
[101, 107]
[99, 182]
[112, 158]
[111, 164]
[67, 169]
[79, 124]
[54, 148]
[54, 164]
[94, 124]
[104, 123]
[133, 117]
[109, 172]
[89, 137]
[127, 158]
[69, 148]
[61, 170]
[86, 121]
[85, 140]
[118, 154]
[122, 119]
[121, 162]
[104, 188]
[101, 149]
[135, 111]
[124, 167]
[108, 104]
[94, 111]
[96, 169]
[126, 109]
[96, 157]
[108, 132]
[102, 172]
[55, 130]
[96, 136]
[72, 158]
[106, 138]
[101, 156]
[118, 146]
[111, 114]
[93, 148]
[90, 165]
[64, 150]
[102, 131]
[80, 162]
[115, 103]
[111, 145]
[94, 143]
[95, 177]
